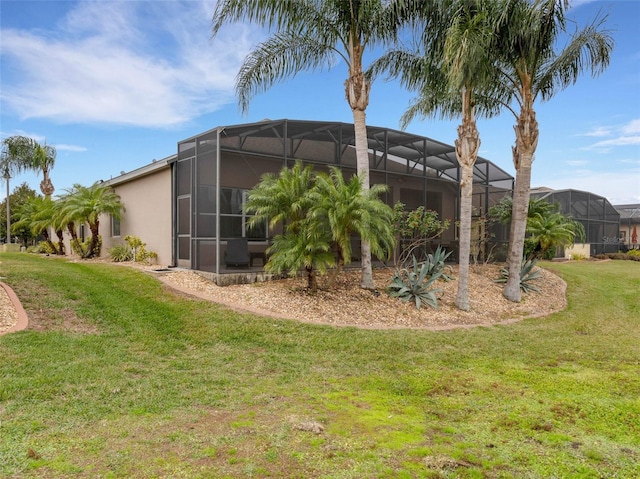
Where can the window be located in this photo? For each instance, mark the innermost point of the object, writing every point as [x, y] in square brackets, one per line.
[623, 236]
[233, 219]
[115, 226]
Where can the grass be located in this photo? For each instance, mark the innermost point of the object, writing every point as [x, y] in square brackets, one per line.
[151, 384]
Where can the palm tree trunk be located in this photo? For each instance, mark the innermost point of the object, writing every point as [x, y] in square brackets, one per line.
[312, 280]
[94, 244]
[60, 236]
[47, 239]
[467, 146]
[357, 89]
[362, 158]
[518, 230]
[7, 178]
[526, 143]
[46, 186]
[71, 228]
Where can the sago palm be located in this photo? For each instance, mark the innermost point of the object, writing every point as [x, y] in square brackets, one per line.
[316, 34]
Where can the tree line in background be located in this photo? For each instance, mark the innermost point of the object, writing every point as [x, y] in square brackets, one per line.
[36, 216]
[473, 57]
[39, 218]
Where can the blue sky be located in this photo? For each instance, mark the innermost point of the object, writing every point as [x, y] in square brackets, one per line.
[115, 84]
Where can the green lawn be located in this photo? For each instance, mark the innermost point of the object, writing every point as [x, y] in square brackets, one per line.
[150, 384]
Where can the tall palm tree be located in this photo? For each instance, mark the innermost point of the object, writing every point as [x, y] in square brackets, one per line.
[13, 160]
[35, 156]
[86, 204]
[310, 35]
[533, 69]
[456, 77]
[43, 159]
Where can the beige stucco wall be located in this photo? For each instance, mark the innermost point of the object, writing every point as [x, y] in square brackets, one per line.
[580, 249]
[147, 215]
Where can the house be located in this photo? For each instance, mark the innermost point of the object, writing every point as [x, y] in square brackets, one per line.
[629, 235]
[187, 206]
[146, 194]
[600, 219]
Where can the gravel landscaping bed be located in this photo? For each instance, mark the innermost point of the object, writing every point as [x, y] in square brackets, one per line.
[346, 304]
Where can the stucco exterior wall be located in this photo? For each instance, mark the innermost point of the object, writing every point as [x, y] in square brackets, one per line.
[579, 249]
[147, 214]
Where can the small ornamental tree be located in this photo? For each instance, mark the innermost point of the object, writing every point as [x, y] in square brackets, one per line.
[415, 229]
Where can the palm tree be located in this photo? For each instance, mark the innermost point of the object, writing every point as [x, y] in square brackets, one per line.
[31, 155]
[12, 162]
[348, 210]
[287, 199]
[37, 215]
[42, 159]
[310, 35]
[553, 229]
[86, 204]
[455, 77]
[533, 69]
[62, 221]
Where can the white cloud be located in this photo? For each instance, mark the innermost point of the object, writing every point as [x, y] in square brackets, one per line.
[619, 141]
[134, 63]
[619, 187]
[63, 147]
[598, 131]
[626, 135]
[577, 162]
[632, 128]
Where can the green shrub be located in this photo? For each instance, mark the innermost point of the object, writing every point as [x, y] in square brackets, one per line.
[634, 252]
[631, 256]
[527, 276]
[578, 257]
[42, 248]
[120, 253]
[414, 284]
[134, 250]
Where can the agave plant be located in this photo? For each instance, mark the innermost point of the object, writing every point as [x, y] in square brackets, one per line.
[436, 262]
[527, 276]
[415, 284]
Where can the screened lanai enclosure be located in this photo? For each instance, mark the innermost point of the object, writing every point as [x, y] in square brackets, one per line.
[600, 219]
[214, 171]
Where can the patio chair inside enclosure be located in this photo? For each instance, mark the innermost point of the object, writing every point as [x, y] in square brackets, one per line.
[237, 253]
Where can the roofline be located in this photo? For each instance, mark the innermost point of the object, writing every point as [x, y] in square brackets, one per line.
[220, 128]
[145, 170]
[547, 192]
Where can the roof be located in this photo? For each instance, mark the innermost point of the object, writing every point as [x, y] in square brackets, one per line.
[543, 192]
[334, 142]
[145, 170]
